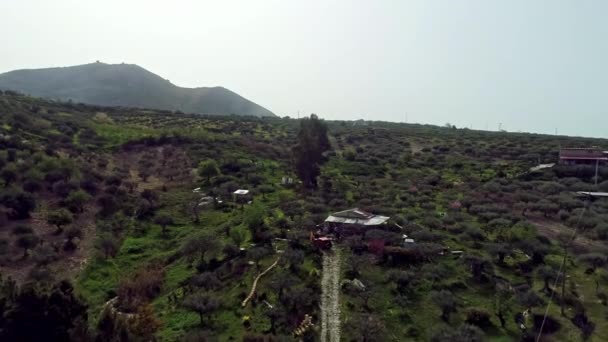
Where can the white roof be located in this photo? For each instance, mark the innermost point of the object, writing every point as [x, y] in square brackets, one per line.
[241, 192]
[372, 221]
[593, 194]
[542, 166]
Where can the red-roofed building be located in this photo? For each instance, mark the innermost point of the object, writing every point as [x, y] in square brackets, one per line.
[587, 156]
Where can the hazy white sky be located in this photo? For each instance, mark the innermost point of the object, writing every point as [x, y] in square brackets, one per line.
[530, 65]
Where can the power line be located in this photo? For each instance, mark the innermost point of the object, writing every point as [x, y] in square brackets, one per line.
[561, 267]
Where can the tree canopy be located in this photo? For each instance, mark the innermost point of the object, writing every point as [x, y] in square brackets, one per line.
[308, 153]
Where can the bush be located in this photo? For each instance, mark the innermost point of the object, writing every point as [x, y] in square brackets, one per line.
[21, 203]
[139, 288]
[22, 229]
[44, 255]
[4, 245]
[464, 333]
[601, 231]
[475, 233]
[478, 317]
[76, 201]
[551, 324]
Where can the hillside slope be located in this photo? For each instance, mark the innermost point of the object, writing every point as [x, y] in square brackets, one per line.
[136, 209]
[126, 85]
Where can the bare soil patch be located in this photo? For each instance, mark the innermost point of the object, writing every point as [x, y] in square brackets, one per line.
[553, 229]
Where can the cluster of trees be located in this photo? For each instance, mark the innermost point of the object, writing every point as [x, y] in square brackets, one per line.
[35, 313]
[458, 188]
[32, 178]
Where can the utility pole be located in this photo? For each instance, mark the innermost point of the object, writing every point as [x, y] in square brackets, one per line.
[597, 165]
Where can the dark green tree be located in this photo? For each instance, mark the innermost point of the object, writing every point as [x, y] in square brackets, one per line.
[59, 218]
[445, 301]
[21, 203]
[108, 245]
[76, 200]
[9, 174]
[308, 153]
[201, 246]
[163, 221]
[203, 304]
[27, 242]
[207, 169]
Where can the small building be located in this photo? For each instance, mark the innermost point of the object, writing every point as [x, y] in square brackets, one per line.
[592, 194]
[582, 156]
[353, 221]
[241, 196]
[540, 167]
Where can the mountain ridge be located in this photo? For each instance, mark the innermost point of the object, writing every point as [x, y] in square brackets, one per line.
[127, 85]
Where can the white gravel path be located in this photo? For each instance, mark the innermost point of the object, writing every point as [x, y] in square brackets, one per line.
[330, 298]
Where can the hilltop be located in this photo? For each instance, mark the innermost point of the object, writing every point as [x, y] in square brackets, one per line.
[127, 85]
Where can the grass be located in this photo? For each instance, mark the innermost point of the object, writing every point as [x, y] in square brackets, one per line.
[116, 135]
[99, 280]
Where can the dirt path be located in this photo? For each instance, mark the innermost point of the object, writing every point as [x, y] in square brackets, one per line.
[552, 230]
[330, 298]
[256, 280]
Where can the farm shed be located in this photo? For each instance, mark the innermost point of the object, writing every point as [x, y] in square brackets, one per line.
[582, 156]
[353, 221]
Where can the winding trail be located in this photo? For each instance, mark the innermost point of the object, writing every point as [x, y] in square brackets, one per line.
[330, 297]
[255, 282]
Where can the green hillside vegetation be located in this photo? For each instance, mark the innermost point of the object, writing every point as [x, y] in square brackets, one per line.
[126, 85]
[122, 224]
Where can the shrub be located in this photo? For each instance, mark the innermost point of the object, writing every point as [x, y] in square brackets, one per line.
[551, 324]
[478, 317]
[27, 242]
[76, 201]
[139, 288]
[21, 203]
[4, 245]
[44, 255]
[601, 231]
[21, 229]
[203, 304]
[464, 333]
[59, 218]
[445, 301]
[108, 245]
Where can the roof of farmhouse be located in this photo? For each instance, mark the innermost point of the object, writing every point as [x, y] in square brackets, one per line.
[356, 216]
[583, 153]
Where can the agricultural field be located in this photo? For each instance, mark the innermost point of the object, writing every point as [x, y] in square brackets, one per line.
[123, 224]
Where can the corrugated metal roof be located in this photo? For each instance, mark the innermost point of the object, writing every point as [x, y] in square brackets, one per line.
[372, 221]
[355, 213]
[541, 166]
[582, 153]
[593, 194]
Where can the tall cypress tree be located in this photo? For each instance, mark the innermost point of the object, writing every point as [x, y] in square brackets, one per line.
[308, 153]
